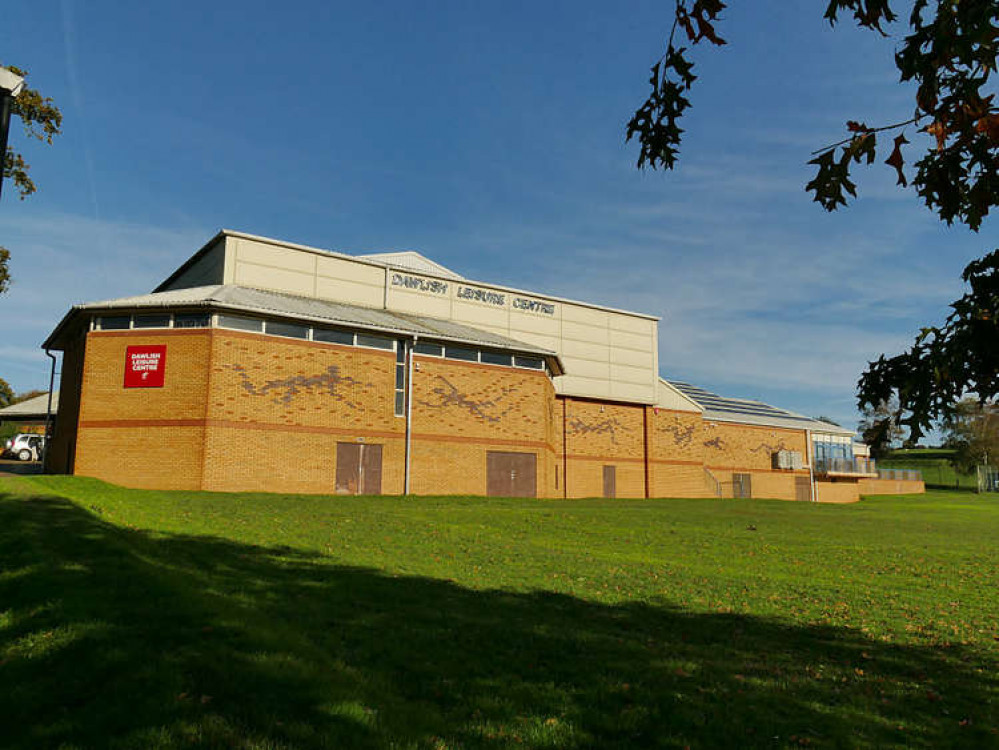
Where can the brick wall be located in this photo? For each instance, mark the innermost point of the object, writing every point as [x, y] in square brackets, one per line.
[676, 455]
[599, 434]
[463, 410]
[143, 437]
[891, 487]
[836, 492]
[277, 409]
[242, 411]
[748, 449]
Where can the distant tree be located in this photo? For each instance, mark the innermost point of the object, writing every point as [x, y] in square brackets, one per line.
[6, 394]
[828, 420]
[880, 429]
[972, 431]
[947, 50]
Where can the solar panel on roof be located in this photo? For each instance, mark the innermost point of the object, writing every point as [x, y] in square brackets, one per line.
[714, 402]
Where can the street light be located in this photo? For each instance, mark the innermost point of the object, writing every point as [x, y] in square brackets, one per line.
[10, 86]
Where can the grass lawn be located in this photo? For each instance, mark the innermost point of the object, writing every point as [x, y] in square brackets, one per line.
[178, 619]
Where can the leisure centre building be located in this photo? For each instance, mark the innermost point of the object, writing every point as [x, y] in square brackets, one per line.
[265, 365]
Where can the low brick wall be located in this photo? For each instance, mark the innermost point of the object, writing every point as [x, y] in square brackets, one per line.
[837, 492]
[891, 487]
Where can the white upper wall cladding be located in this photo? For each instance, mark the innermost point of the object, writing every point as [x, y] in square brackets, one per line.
[607, 354]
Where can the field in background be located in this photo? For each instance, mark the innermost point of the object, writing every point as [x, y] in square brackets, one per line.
[935, 465]
[173, 619]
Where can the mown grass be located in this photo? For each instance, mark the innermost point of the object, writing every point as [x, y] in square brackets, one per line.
[161, 619]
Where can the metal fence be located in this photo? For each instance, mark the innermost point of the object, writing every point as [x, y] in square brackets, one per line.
[845, 466]
[905, 475]
[988, 478]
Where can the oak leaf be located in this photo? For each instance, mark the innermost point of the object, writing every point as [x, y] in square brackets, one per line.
[896, 160]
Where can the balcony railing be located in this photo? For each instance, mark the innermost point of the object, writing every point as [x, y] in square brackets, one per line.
[906, 475]
[856, 467]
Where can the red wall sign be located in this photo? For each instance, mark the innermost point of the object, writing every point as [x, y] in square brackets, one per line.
[145, 366]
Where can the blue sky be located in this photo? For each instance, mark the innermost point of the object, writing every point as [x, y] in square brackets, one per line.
[490, 138]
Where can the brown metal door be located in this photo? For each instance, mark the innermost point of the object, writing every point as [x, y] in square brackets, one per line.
[348, 468]
[371, 470]
[610, 481]
[358, 469]
[511, 474]
[802, 489]
[742, 485]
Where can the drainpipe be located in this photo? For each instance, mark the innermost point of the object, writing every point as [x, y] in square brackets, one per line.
[48, 413]
[811, 467]
[565, 452]
[409, 413]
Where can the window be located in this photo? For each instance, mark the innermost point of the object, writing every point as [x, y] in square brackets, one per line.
[241, 324]
[532, 363]
[151, 321]
[114, 322]
[191, 320]
[400, 379]
[287, 329]
[331, 336]
[462, 353]
[434, 350]
[495, 358]
[376, 342]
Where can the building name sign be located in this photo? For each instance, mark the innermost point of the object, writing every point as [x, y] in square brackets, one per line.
[482, 295]
[472, 294]
[533, 305]
[145, 366]
[433, 286]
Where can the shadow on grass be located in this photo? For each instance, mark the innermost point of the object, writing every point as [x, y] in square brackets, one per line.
[114, 637]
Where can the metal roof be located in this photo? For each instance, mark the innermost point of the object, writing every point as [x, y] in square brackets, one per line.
[744, 411]
[256, 301]
[410, 260]
[31, 408]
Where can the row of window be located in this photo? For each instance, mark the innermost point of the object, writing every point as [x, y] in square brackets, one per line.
[486, 357]
[311, 333]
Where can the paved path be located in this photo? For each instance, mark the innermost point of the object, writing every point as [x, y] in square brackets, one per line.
[9, 468]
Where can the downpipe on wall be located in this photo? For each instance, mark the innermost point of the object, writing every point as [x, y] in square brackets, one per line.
[409, 412]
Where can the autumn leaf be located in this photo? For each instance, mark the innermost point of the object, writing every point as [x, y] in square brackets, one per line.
[989, 126]
[939, 130]
[896, 160]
